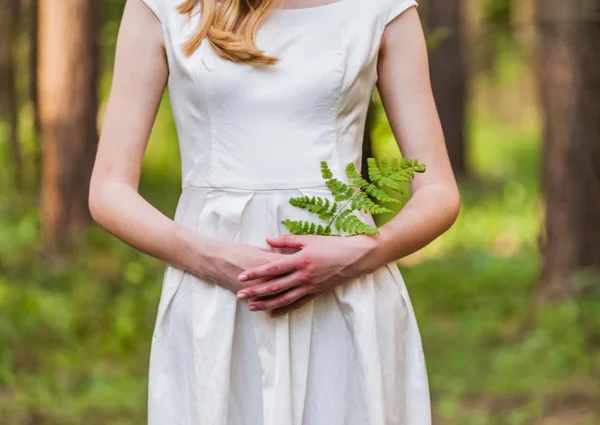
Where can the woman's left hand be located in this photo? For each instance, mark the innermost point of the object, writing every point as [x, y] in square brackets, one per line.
[321, 263]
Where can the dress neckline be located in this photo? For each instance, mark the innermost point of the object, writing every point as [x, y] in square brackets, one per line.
[309, 8]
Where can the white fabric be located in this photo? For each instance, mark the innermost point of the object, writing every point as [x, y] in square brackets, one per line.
[251, 138]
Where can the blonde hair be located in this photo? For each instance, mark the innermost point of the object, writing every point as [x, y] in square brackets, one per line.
[230, 27]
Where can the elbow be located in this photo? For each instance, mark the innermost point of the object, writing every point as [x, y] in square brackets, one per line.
[453, 206]
[447, 201]
[96, 202]
[94, 206]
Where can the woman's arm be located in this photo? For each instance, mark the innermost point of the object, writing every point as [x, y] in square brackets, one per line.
[140, 76]
[324, 261]
[405, 89]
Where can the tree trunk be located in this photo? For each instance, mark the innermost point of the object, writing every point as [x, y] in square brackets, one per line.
[67, 78]
[570, 93]
[449, 78]
[33, 8]
[9, 105]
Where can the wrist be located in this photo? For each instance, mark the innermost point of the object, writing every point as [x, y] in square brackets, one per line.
[199, 253]
[372, 258]
[382, 248]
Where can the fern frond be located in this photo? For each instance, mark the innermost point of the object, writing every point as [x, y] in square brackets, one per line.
[355, 176]
[325, 171]
[316, 205]
[299, 227]
[379, 194]
[385, 167]
[340, 190]
[363, 203]
[373, 170]
[404, 176]
[358, 195]
[390, 175]
[367, 187]
[390, 184]
[349, 222]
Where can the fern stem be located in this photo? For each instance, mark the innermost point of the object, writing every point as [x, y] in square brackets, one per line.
[344, 207]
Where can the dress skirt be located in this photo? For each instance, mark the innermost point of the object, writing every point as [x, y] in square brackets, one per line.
[351, 356]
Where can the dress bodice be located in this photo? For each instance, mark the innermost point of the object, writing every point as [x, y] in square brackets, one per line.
[266, 127]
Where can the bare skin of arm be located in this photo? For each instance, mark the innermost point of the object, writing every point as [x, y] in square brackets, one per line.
[323, 262]
[408, 100]
[139, 80]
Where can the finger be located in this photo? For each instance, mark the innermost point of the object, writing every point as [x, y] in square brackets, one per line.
[272, 269]
[286, 241]
[245, 285]
[266, 297]
[293, 306]
[260, 298]
[281, 300]
[273, 286]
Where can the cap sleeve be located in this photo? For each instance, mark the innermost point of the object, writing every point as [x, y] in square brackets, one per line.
[154, 6]
[397, 7]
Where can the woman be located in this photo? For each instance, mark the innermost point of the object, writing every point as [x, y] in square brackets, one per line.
[255, 325]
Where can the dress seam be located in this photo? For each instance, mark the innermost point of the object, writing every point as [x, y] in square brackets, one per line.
[338, 97]
[209, 177]
[253, 189]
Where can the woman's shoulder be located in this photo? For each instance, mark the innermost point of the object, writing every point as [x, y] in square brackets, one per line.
[163, 9]
[383, 10]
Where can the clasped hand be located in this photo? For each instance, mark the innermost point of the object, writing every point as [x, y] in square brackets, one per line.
[321, 263]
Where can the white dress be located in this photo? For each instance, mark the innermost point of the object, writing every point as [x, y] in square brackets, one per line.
[250, 138]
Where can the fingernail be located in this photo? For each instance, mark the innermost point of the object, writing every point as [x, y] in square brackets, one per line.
[242, 277]
[252, 308]
[241, 296]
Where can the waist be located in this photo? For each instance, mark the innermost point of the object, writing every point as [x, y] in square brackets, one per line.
[250, 187]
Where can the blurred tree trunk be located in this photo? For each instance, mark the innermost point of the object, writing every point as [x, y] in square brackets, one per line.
[570, 92]
[32, 8]
[449, 76]
[9, 107]
[67, 78]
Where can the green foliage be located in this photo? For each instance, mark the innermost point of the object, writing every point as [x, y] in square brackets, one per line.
[359, 195]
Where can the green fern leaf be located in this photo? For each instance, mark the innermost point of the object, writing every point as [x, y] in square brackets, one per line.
[402, 176]
[340, 221]
[390, 184]
[325, 171]
[384, 166]
[340, 190]
[348, 222]
[379, 194]
[355, 176]
[295, 226]
[364, 203]
[358, 195]
[357, 226]
[373, 170]
[316, 205]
